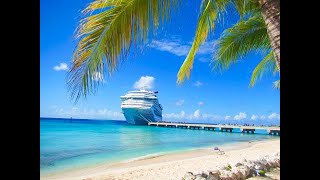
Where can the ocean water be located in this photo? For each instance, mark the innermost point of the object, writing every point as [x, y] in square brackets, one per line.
[66, 144]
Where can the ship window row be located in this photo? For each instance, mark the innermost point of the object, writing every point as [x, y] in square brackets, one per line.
[136, 104]
[140, 98]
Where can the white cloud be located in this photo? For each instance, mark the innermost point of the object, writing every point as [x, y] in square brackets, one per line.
[274, 116]
[97, 76]
[61, 67]
[211, 117]
[240, 116]
[207, 47]
[179, 48]
[182, 114]
[204, 117]
[145, 82]
[180, 102]
[198, 83]
[171, 46]
[254, 117]
[112, 114]
[83, 113]
[170, 116]
[200, 103]
[196, 114]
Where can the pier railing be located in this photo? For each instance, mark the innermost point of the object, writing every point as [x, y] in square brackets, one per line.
[249, 129]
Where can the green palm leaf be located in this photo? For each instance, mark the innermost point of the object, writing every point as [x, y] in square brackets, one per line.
[276, 84]
[246, 7]
[240, 6]
[268, 63]
[106, 37]
[209, 11]
[237, 41]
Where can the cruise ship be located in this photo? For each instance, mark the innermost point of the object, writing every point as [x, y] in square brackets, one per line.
[141, 107]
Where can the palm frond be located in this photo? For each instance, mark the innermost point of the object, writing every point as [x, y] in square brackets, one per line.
[252, 8]
[276, 84]
[237, 41]
[275, 70]
[246, 7]
[268, 63]
[100, 4]
[220, 5]
[106, 37]
[209, 10]
[240, 6]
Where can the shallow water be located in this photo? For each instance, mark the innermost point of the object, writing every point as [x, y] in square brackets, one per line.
[66, 144]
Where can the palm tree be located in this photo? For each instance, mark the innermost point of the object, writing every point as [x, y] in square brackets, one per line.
[258, 9]
[114, 25]
[247, 35]
[270, 10]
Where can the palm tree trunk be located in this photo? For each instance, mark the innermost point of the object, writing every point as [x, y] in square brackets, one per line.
[271, 15]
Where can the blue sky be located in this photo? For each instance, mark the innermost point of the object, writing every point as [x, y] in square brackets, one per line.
[208, 96]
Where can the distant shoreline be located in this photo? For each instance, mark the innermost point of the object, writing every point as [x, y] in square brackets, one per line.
[157, 164]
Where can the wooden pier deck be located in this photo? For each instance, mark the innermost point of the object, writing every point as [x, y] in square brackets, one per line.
[274, 130]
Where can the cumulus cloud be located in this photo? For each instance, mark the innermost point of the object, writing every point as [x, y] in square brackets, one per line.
[211, 117]
[196, 114]
[214, 118]
[172, 46]
[207, 47]
[180, 102]
[240, 116]
[84, 113]
[61, 67]
[145, 82]
[179, 48]
[198, 83]
[254, 117]
[200, 103]
[180, 115]
[274, 116]
[111, 114]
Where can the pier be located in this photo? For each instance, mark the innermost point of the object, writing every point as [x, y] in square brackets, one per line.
[273, 130]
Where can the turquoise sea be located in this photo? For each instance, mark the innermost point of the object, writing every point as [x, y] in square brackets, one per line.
[66, 144]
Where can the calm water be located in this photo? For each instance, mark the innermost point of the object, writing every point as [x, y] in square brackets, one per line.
[65, 144]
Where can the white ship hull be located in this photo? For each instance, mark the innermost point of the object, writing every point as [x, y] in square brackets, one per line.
[140, 116]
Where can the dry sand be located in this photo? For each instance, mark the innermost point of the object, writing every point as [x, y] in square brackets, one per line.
[173, 166]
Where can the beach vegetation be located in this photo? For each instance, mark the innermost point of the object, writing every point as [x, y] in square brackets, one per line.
[228, 167]
[262, 173]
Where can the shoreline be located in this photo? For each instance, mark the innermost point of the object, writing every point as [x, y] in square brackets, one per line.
[174, 163]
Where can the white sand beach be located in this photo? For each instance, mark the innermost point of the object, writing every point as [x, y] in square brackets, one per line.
[172, 166]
